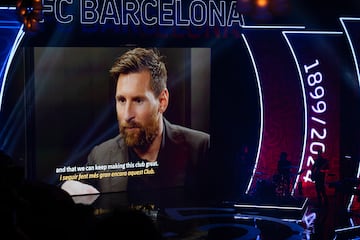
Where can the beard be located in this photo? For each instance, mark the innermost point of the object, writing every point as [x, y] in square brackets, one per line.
[143, 136]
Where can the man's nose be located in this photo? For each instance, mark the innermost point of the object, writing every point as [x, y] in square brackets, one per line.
[128, 112]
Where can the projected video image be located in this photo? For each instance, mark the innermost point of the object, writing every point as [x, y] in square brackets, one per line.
[75, 93]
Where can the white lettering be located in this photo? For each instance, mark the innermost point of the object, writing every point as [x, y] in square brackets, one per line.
[88, 11]
[110, 12]
[59, 6]
[148, 13]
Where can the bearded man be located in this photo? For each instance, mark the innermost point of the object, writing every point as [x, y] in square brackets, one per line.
[155, 153]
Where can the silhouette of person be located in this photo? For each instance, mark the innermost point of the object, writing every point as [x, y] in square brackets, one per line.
[318, 174]
[243, 168]
[284, 173]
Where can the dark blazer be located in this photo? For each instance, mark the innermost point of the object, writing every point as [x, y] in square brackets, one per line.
[182, 161]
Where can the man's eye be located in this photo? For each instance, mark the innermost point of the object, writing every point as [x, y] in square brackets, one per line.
[139, 101]
[121, 100]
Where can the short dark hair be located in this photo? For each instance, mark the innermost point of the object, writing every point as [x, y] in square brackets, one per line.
[140, 59]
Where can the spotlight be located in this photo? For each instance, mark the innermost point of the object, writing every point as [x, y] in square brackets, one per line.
[30, 13]
[262, 9]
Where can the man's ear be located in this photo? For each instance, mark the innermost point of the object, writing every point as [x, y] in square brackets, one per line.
[163, 100]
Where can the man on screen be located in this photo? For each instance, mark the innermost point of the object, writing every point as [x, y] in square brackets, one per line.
[177, 156]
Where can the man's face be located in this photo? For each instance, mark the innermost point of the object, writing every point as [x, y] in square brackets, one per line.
[137, 109]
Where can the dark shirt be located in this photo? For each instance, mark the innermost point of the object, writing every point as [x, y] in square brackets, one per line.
[182, 162]
[284, 167]
[317, 170]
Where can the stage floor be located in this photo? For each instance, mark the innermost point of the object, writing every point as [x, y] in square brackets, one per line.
[244, 218]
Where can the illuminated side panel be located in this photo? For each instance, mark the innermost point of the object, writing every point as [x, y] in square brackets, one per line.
[352, 205]
[283, 121]
[351, 28]
[316, 55]
[297, 178]
[11, 34]
[261, 114]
